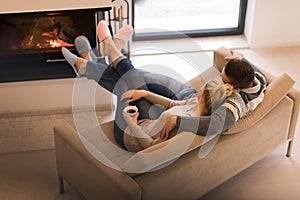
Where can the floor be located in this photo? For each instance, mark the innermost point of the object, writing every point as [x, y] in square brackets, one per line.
[32, 175]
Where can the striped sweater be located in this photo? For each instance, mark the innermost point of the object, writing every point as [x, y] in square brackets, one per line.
[242, 103]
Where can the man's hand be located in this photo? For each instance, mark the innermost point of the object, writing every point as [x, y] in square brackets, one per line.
[168, 127]
[234, 55]
[133, 95]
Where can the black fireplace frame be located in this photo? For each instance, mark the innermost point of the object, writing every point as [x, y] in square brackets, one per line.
[47, 64]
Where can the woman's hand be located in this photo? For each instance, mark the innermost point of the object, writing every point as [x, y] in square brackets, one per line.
[131, 119]
[168, 127]
[133, 95]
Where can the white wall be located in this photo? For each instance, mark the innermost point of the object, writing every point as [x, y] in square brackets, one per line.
[271, 23]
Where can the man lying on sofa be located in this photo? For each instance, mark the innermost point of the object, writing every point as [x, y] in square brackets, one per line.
[250, 85]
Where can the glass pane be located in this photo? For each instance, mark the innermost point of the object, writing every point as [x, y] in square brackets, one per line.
[178, 15]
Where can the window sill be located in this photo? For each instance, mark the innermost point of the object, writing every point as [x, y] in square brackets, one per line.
[187, 45]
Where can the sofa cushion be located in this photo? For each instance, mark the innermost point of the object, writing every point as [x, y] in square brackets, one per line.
[275, 91]
[198, 81]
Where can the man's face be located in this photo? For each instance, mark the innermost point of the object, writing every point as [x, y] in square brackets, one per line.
[224, 76]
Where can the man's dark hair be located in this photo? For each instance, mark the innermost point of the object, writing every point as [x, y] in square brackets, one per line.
[240, 73]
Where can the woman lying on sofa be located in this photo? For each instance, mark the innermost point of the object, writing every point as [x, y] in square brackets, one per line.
[109, 78]
[145, 133]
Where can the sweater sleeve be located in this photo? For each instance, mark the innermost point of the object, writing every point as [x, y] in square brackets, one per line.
[216, 123]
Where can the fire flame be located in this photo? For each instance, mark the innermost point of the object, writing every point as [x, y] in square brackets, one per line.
[59, 43]
[45, 40]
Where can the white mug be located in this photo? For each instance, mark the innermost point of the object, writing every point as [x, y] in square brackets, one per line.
[131, 110]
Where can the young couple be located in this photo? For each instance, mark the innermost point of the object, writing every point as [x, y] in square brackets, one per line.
[166, 106]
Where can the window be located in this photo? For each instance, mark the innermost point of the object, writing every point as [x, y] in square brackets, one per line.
[157, 19]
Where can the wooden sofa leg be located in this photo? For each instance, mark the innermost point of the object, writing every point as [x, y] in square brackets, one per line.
[289, 148]
[61, 184]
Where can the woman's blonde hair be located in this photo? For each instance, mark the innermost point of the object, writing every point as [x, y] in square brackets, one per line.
[215, 93]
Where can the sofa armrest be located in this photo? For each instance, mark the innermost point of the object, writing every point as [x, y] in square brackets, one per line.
[85, 173]
[219, 57]
[295, 96]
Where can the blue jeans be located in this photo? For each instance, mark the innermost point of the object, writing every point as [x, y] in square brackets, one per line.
[124, 77]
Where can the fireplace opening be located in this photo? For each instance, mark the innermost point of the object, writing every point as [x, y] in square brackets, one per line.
[30, 45]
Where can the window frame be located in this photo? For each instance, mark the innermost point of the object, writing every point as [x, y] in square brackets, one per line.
[195, 33]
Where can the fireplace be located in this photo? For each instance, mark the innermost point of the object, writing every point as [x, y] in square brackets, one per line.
[30, 45]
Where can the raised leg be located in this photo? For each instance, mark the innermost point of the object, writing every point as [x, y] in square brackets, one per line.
[61, 184]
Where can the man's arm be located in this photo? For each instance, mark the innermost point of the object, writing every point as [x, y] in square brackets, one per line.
[221, 120]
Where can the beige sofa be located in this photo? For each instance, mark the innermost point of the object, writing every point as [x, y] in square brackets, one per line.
[162, 172]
